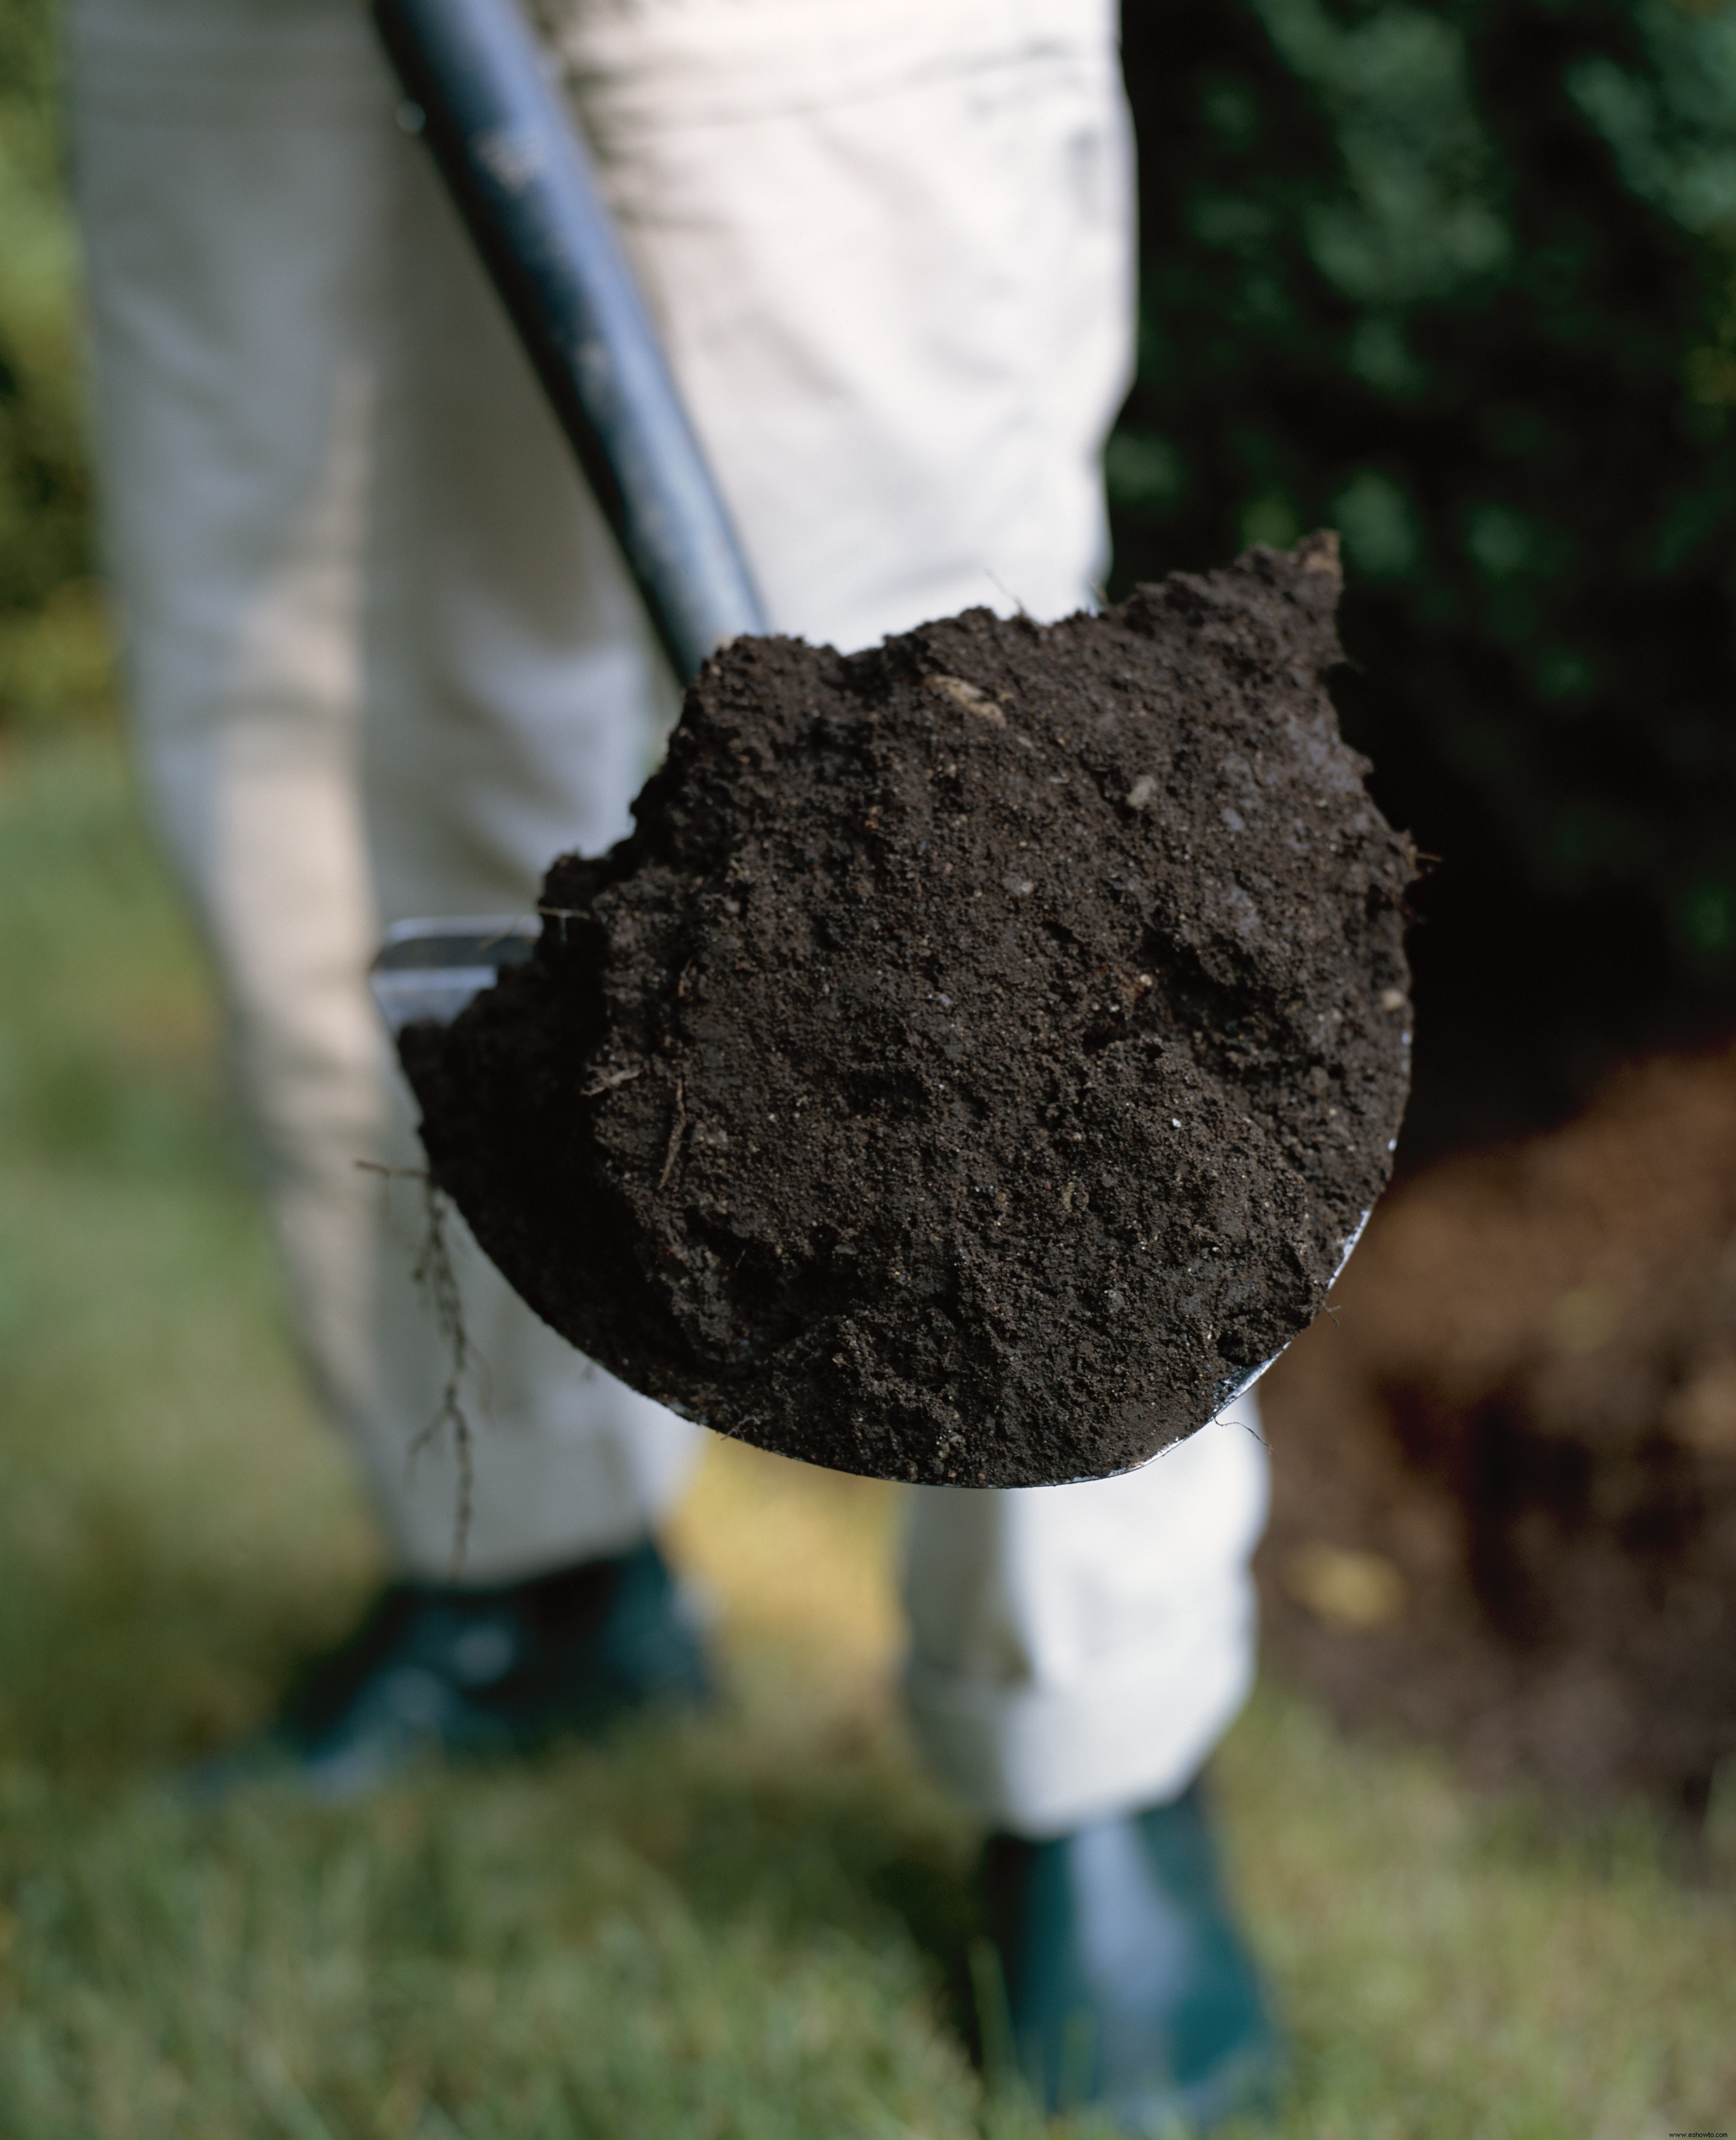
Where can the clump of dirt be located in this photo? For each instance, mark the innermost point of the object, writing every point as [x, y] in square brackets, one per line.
[1505, 1467]
[974, 1064]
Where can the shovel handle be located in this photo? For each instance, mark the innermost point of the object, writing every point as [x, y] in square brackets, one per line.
[525, 185]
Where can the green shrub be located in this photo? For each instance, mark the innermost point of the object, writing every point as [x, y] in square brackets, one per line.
[53, 643]
[44, 488]
[1460, 280]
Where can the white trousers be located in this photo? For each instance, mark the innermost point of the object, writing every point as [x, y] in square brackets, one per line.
[384, 662]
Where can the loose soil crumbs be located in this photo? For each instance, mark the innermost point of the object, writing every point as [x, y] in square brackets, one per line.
[973, 1066]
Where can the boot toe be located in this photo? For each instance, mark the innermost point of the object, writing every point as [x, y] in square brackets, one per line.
[1130, 1988]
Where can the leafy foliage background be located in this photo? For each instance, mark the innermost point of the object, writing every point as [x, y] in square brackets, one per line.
[54, 650]
[1460, 280]
[42, 486]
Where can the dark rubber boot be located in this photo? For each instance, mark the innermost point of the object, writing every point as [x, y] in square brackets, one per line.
[1128, 1985]
[439, 1669]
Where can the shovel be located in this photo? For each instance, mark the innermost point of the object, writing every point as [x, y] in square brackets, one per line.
[477, 89]
[945, 1345]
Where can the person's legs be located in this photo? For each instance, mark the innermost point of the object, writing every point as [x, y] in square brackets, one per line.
[382, 660]
[889, 242]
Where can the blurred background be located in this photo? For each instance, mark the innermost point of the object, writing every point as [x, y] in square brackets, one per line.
[1459, 280]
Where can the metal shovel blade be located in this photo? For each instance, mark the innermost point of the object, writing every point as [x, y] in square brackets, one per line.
[432, 968]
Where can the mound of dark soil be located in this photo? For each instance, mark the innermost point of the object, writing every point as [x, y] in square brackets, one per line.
[1505, 1470]
[973, 1066]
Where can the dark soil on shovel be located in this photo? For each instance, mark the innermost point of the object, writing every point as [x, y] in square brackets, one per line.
[973, 1066]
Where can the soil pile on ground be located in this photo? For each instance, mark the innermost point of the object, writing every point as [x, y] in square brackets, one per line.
[1505, 1505]
[973, 1065]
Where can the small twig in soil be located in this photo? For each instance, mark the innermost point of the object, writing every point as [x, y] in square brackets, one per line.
[563, 914]
[438, 1281]
[605, 1081]
[675, 1130]
[436, 1278]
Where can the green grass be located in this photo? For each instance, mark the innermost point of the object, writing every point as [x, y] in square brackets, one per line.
[747, 1927]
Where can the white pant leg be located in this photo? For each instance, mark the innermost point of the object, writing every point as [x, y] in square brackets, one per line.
[889, 243]
[1078, 1650]
[331, 486]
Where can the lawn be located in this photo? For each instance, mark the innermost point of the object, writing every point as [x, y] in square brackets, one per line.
[751, 1925]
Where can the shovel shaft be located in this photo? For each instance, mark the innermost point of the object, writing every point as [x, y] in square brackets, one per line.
[525, 187]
